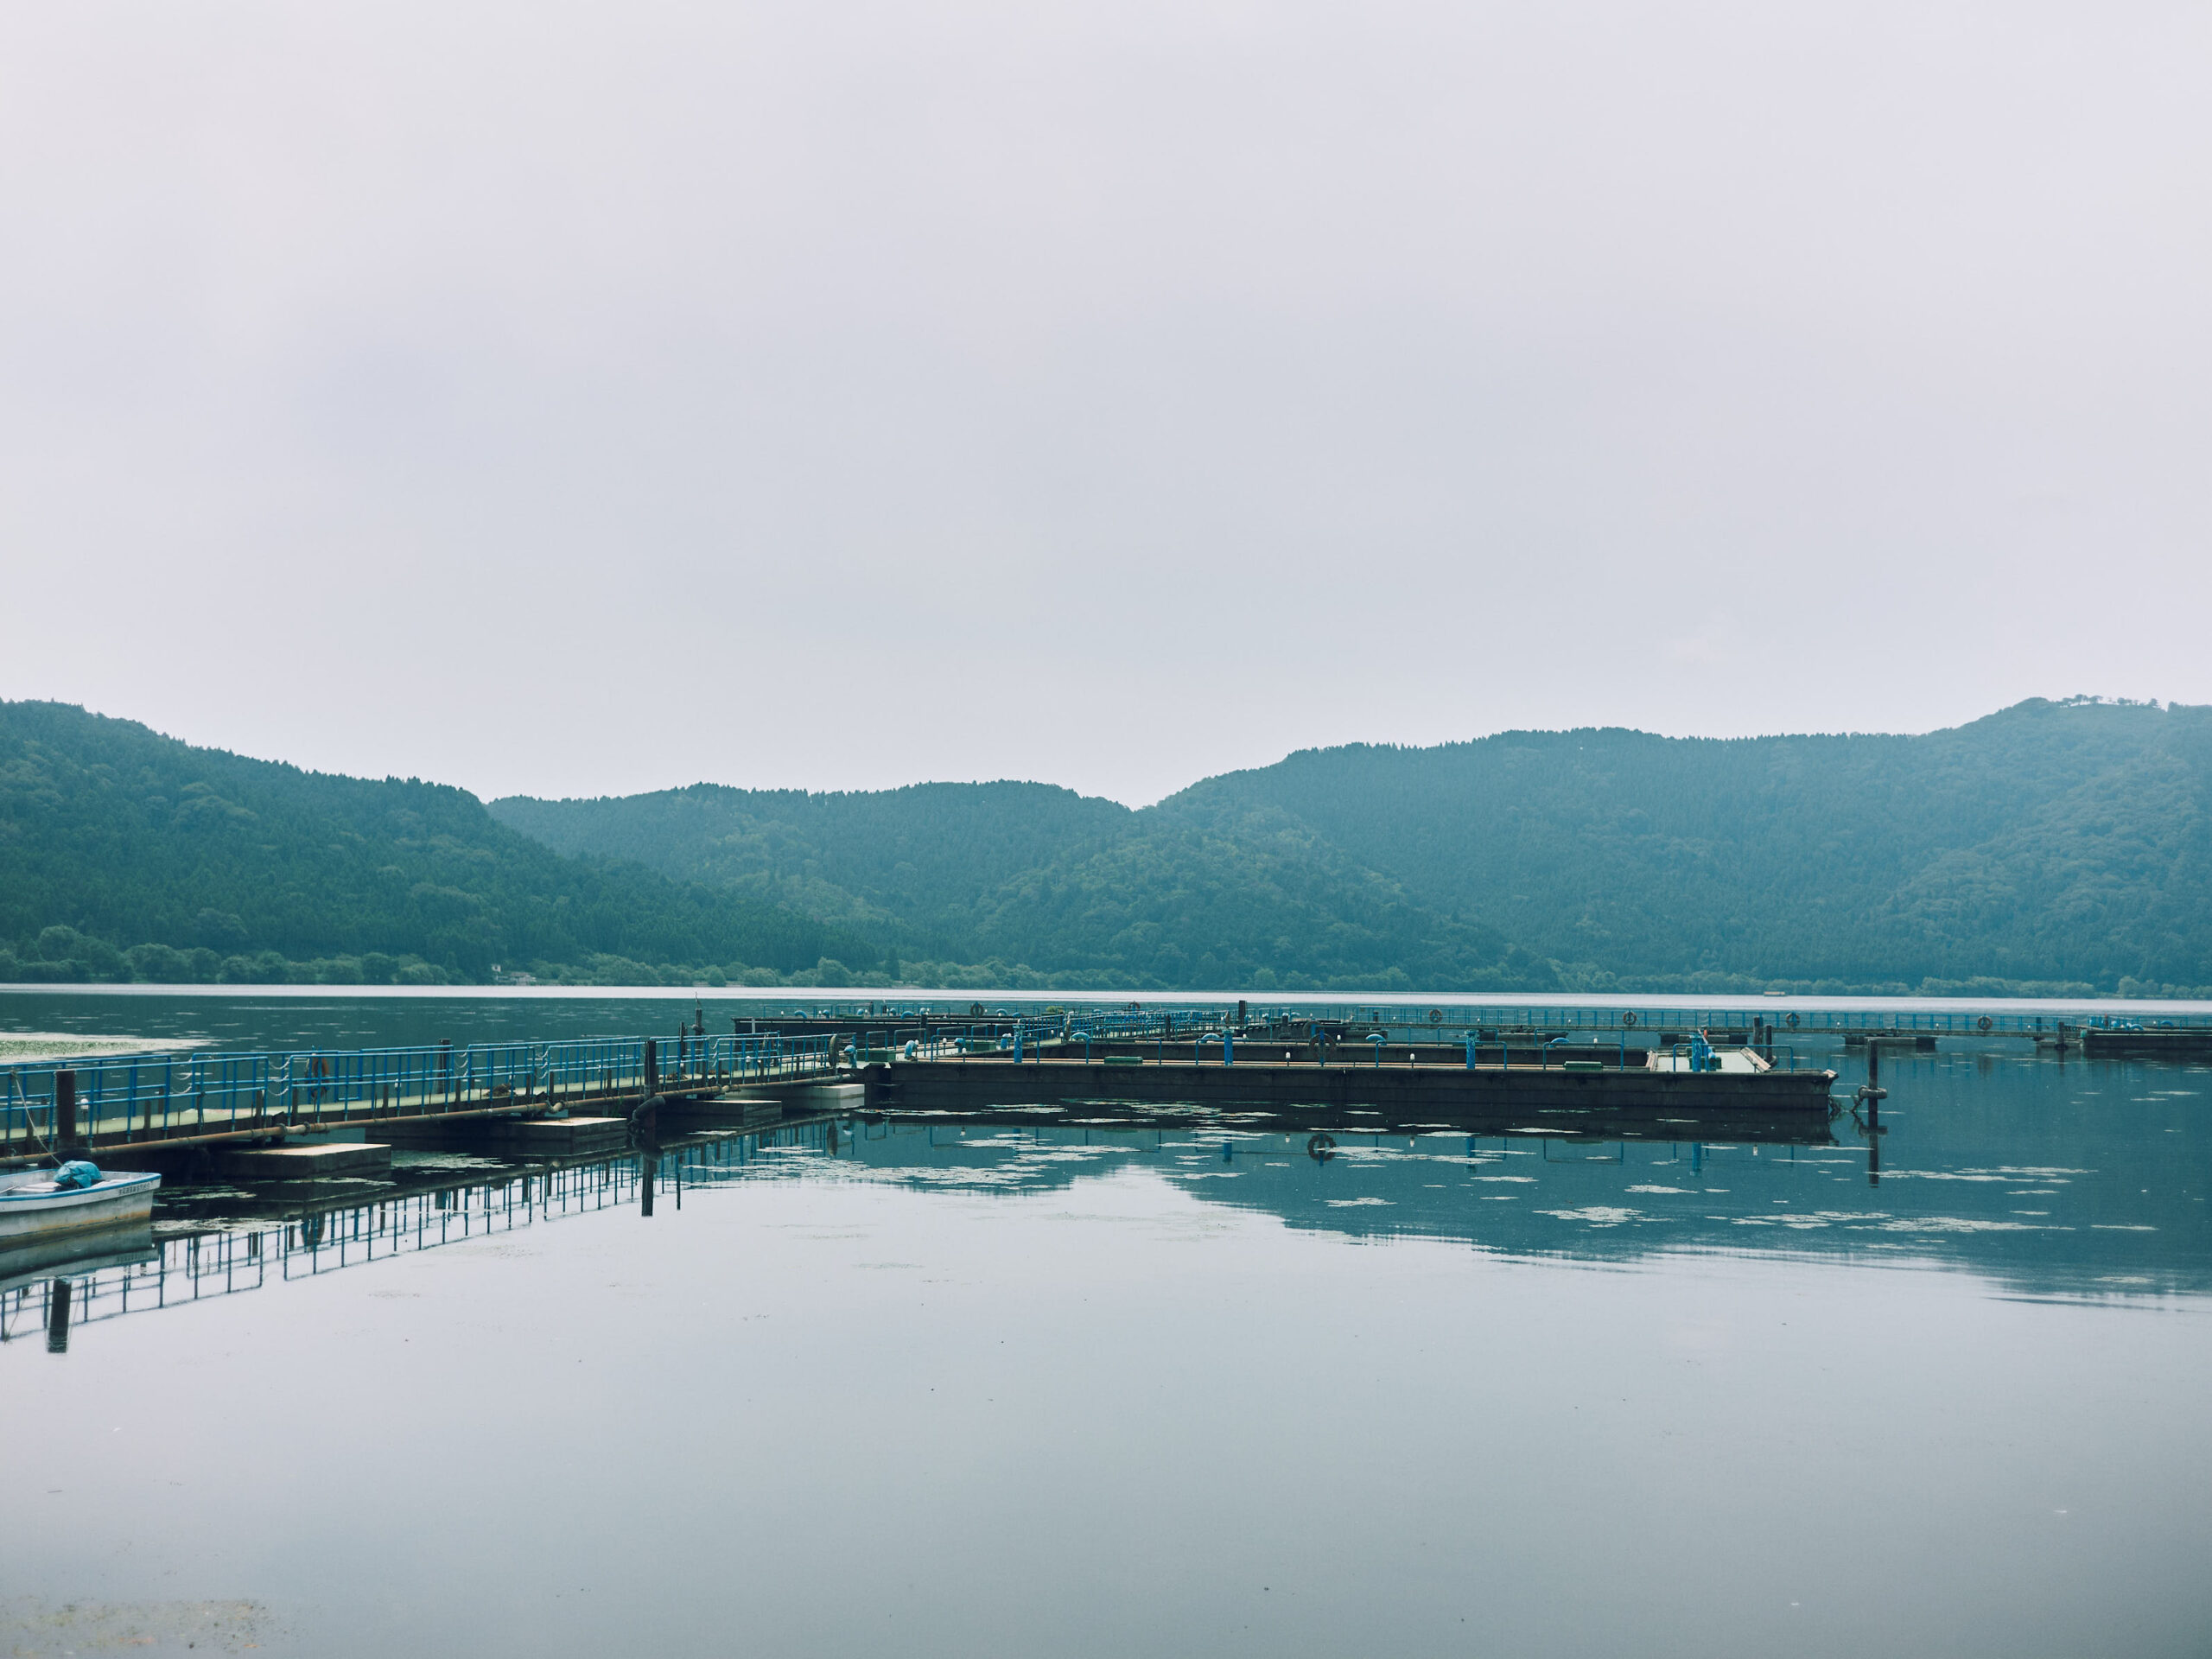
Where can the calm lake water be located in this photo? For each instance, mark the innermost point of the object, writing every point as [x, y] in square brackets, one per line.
[1043, 1388]
[301, 1019]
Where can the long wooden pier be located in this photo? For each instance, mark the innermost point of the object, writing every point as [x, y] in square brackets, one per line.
[1485, 1058]
[162, 1102]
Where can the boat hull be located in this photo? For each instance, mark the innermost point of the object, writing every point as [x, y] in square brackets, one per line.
[35, 1212]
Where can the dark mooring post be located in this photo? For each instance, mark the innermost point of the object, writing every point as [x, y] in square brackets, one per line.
[57, 1317]
[1873, 1094]
[645, 1129]
[65, 1112]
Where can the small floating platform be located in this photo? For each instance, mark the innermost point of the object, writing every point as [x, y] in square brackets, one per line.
[556, 1137]
[357, 1158]
[733, 1112]
[527, 1137]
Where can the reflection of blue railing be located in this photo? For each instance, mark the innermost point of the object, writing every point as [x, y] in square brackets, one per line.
[175, 1272]
[197, 1096]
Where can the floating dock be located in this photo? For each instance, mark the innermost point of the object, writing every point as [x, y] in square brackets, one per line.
[2147, 1042]
[1452, 1095]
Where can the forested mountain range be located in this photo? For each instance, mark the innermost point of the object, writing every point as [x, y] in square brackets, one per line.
[1028, 884]
[125, 855]
[2053, 846]
[2050, 843]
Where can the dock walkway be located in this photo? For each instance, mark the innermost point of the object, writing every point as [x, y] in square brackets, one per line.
[103, 1104]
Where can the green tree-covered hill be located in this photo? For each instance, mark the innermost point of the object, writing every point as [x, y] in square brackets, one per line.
[2053, 845]
[2064, 842]
[125, 854]
[910, 866]
[1026, 883]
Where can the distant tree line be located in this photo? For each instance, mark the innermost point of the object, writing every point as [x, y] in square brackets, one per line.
[2054, 847]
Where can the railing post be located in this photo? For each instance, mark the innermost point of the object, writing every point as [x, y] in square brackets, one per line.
[65, 1111]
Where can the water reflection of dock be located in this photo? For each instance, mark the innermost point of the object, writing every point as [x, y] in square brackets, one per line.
[238, 1240]
[2042, 1213]
[2044, 1201]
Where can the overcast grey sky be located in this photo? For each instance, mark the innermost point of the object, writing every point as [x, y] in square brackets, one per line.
[588, 398]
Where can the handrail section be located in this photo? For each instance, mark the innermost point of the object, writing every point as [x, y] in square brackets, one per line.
[128, 1098]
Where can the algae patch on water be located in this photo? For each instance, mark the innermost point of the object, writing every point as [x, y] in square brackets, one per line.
[32, 1627]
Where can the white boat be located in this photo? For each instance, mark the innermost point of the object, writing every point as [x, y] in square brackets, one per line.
[37, 1209]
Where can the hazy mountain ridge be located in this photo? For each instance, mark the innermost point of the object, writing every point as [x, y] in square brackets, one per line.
[125, 854]
[2050, 845]
[1194, 895]
[2049, 842]
[1032, 884]
[911, 866]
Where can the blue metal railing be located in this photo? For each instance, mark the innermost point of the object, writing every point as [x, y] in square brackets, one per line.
[195, 1095]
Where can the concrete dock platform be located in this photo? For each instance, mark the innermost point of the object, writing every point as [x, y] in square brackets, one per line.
[733, 1112]
[312, 1162]
[550, 1137]
[816, 1099]
[554, 1137]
